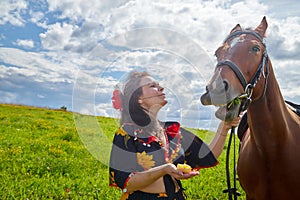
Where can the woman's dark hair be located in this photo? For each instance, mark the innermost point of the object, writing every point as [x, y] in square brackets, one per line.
[132, 110]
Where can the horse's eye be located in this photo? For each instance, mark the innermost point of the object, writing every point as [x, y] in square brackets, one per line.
[256, 48]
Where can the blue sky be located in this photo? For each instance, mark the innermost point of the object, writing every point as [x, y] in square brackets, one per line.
[73, 52]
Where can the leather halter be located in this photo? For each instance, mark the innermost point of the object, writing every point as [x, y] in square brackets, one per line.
[248, 87]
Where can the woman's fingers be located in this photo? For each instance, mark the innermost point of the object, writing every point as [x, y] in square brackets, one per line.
[187, 175]
[234, 123]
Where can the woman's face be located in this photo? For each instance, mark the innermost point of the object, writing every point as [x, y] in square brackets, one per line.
[152, 94]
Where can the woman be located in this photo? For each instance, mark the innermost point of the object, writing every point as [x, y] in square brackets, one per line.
[145, 151]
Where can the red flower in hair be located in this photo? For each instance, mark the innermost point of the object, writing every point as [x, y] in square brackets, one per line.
[117, 100]
[173, 130]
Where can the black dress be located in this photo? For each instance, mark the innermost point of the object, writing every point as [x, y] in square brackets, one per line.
[135, 150]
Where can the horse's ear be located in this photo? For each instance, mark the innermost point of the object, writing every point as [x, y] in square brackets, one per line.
[236, 28]
[262, 27]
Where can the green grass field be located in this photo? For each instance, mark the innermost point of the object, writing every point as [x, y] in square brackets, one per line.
[42, 156]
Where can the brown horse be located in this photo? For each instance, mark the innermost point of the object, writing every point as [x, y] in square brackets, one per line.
[269, 159]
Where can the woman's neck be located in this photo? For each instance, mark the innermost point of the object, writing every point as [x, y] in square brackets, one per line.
[154, 127]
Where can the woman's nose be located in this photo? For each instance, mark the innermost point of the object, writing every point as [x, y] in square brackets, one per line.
[160, 88]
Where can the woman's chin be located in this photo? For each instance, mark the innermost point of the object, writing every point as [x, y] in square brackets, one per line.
[165, 102]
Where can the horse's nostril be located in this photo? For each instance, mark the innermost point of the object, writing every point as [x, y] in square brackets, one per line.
[226, 85]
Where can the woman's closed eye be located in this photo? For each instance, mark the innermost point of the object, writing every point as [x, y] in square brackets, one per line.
[154, 85]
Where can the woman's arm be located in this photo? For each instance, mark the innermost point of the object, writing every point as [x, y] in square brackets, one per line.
[143, 180]
[217, 144]
[140, 180]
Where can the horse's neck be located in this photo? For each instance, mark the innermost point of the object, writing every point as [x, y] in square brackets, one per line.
[268, 115]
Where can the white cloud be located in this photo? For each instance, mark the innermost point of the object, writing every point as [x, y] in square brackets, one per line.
[40, 96]
[36, 16]
[96, 37]
[11, 12]
[57, 36]
[25, 43]
[79, 10]
[36, 66]
[286, 37]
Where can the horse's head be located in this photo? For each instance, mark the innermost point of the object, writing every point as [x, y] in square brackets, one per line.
[241, 61]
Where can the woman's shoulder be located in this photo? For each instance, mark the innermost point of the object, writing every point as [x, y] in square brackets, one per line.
[126, 129]
[124, 136]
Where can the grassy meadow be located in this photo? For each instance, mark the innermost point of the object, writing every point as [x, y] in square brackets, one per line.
[42, 156]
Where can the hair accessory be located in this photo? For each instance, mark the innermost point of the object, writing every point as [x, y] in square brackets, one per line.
[173, 130]
[117, 99]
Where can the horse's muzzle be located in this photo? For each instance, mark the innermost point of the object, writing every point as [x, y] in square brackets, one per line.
[206, 99]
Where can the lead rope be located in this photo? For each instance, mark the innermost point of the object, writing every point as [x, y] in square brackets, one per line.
[231, 191]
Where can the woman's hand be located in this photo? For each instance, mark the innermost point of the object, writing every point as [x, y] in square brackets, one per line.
[172, 170]
[217, 144]
[187, 175]
[233, 123]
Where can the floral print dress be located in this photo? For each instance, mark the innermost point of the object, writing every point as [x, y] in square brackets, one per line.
[135, 150]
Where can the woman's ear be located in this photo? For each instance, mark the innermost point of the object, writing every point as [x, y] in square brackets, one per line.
[140, 101]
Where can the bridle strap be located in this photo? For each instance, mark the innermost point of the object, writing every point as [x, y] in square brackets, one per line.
[232, 191]
[259, 71]
[235, 69]
[248, 32]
